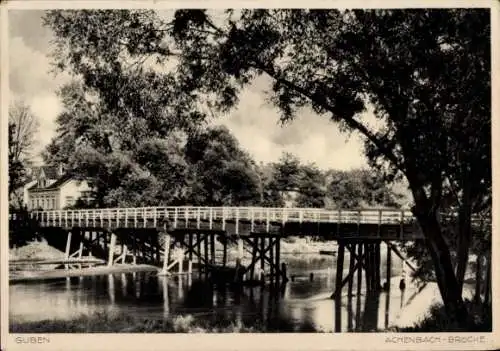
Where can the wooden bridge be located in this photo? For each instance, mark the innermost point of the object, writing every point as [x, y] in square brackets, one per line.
[388, 224]
[205, 236]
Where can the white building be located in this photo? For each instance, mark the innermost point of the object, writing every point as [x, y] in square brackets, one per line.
[53, 190]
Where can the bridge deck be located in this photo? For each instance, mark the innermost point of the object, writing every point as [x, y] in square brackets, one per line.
[373, 223]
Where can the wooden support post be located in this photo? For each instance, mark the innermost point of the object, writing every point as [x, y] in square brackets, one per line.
[339, 270]
[360, 269]
[198, 249]
[374, 262]
[389, 262]
[166, 253]
[124, 253]
[157, 245]
[134, 249]
[254, 254]
[68, 248]
[190, 263]
[377, 266]
[277, 259]
[240, 248]
[224, 253]
[206, 252]
[80, 250]
[181, 261]
[212, 248]
[367, 267]
[271, 257]
[262, 259]
[338, 287]
[351, 268]
[111, 249]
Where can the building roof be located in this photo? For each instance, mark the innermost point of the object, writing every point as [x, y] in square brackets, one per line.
[54, 186]
[50, 172]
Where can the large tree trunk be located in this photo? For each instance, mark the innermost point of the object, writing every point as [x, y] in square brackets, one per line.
[479, 261]
[447, 282]
[464, 237]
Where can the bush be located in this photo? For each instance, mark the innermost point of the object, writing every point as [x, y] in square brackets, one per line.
[437, 320]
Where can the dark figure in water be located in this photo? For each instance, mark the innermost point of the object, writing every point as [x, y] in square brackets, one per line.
[283, 272]
[311, 277]
[385, 286]
[402, 284]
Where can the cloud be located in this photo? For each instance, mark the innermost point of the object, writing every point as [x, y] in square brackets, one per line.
[46, 107]
[313, 138]
[255, 122]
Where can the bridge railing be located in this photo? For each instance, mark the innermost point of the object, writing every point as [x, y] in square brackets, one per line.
[374, 216]
[265, 214]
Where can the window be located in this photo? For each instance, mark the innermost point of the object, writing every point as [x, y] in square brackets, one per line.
[53, 203]
[69, 201]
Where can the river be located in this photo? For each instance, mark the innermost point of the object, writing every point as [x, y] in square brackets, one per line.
[302, 305]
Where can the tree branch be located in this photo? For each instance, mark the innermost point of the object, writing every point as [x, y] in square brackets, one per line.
[353, 123]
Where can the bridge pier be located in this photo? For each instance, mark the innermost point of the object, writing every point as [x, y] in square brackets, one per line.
[363, 255]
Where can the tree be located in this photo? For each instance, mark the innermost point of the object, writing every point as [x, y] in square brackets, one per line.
[222, 173]
[311, 187]
[426, 73]
[360, 188]
[345, 190]
[23, 127]
[287, 172]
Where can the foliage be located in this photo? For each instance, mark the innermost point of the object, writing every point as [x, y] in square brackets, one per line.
[433, 120]
[437, 320]
[21, 133]
[311, 186]
[221, 173]
[360, 188]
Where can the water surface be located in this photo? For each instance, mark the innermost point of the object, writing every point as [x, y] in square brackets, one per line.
[301, 305]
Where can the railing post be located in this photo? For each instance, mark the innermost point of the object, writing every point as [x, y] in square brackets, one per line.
[223, 218]
[379, 223]
[338, 222]
[154, 217]
[268, 224]
[176, 216]
[237, 220]
[252, 220]
[198, 218]
[402, 225]
[210, 217]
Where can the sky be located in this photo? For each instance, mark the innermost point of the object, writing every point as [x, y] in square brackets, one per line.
[255, 122]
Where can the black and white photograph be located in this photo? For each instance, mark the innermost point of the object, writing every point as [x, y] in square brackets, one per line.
[248, 170]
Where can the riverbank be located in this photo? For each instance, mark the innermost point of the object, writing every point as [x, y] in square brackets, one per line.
[102, 322]
[426, 313]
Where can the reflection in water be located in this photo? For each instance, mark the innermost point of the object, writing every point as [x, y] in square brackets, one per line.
[301, 305]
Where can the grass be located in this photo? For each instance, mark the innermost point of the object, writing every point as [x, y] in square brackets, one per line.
[101, 322]
[437, 320]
